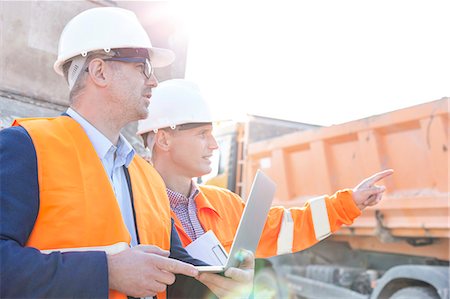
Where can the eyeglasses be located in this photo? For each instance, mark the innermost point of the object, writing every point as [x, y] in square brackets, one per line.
[147, 70]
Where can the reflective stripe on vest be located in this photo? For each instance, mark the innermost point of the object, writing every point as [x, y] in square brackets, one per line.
[320, 218]
[111, 249]
[286, 235]
[77, 205]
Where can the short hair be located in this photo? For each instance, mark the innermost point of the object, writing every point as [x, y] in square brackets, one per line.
[80, 82]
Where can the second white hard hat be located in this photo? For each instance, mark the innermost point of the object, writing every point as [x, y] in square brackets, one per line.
[106, 28]
[175, 102]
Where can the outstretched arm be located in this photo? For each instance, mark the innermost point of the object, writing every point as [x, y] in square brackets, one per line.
[291, 230]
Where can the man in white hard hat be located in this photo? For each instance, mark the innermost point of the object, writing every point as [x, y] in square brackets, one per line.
[181, 145]
[82, 216]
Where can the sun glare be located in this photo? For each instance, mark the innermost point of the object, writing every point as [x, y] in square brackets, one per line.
[322, 62]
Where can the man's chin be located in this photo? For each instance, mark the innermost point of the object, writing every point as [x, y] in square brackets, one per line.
[207, 170]
[143, 114]
[202, 172]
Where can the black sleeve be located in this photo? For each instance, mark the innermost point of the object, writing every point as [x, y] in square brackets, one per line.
[178, 252]
[25, 272]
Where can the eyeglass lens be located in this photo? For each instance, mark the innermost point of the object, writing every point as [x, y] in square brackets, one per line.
[147, 69]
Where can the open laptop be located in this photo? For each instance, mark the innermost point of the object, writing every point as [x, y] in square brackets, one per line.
[252, 222]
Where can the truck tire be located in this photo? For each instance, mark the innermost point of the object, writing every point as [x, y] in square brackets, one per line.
[266, 284]
[415, 293]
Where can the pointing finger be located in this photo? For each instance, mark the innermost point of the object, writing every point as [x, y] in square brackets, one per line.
[376, 177]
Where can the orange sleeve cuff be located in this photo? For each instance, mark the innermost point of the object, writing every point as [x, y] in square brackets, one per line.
[344, 198]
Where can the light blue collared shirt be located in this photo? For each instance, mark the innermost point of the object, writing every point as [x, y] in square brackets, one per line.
[113, 159]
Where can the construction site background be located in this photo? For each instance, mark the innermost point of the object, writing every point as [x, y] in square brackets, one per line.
[30, 30]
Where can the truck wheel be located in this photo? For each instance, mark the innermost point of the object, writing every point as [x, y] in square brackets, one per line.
[265, 284]
[415, 293]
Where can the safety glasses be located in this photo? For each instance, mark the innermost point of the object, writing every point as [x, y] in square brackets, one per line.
[147, 69]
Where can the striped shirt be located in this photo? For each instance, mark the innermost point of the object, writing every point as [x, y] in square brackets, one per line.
[186, 211]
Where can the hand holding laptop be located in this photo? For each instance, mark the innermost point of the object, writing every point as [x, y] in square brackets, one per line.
[248, 232]
[239, 265]
[237, 282]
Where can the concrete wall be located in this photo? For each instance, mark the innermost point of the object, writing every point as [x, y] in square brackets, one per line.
[29, 48]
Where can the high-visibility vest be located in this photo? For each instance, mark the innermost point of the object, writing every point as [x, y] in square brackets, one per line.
[77, 205]
[286, 230]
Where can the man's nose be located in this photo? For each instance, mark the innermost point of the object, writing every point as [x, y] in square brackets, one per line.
[152, 81]
[213, 143]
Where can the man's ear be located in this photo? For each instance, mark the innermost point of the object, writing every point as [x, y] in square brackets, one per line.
[163, 140]
[97, 72]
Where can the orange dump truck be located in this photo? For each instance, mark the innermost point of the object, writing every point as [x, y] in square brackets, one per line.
[396, 249]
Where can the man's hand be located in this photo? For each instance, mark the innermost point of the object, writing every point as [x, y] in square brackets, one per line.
[144, 270]
[237, 283]
[369, 194]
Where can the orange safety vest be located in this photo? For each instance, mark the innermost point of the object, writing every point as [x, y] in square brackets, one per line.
[220, 210]
[77, 205]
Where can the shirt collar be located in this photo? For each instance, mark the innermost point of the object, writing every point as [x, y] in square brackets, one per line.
[177, 199]
[202, 202]
[125, 151]
[102, 145]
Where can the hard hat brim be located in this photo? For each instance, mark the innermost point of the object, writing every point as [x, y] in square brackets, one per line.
[159, 57]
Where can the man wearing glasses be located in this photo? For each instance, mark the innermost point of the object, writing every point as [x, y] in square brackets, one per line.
[74, 196]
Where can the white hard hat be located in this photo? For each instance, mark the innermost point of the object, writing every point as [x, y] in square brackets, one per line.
[106, 28]
[175, 102]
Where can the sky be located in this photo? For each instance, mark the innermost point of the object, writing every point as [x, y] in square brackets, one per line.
[319, 62]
